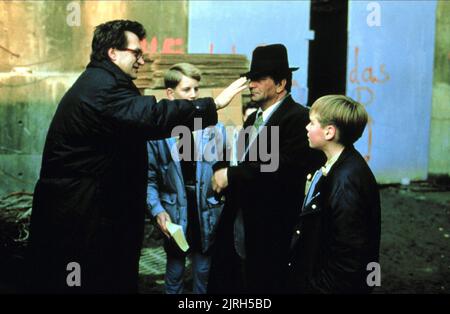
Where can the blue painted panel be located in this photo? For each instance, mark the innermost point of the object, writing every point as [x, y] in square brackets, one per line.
[240, 26]
[390, 70]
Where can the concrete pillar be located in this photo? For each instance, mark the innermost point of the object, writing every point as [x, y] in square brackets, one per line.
[439, 163]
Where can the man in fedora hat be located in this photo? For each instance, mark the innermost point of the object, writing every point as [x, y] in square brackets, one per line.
[252, 239]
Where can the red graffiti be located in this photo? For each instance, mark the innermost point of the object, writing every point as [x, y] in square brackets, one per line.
[364, 94]
[211, 49]
[367, 75]
[170, 45]
[369, 140]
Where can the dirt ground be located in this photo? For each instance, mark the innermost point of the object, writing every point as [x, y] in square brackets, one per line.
[414, 255]
[415, 241]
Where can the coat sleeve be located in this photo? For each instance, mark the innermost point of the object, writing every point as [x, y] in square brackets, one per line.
[153, 200]
[142, 116]
[343, 270]
[224, 147]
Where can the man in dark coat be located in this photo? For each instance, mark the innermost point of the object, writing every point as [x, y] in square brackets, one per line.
[253, 236]
[89, 202]
[336, 240]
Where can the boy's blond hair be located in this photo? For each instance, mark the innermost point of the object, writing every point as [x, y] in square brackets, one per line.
[173, 76]
[346, 114]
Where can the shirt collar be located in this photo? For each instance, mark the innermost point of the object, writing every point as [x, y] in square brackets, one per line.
[326, 169]
[268, 112]
[112, 68]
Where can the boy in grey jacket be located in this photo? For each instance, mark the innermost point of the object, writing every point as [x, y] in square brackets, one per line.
[179, 186]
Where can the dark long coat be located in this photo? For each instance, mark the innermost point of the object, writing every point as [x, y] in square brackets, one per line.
[90, 199]
[268, 201]
[337, 234]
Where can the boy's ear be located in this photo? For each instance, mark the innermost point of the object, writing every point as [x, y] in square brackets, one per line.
[170, 93]
[330, 132]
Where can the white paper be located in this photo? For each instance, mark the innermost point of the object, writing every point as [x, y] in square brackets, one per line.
[176, 231]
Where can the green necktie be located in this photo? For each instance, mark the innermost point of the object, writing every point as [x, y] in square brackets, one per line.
[256, 125]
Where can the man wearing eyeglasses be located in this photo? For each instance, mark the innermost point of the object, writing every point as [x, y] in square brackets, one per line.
[129, 59]
[90, 200]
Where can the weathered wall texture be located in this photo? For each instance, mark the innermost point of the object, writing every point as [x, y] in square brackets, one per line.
[47, 35]
[439, 160]
[390, 71]
[44, 46]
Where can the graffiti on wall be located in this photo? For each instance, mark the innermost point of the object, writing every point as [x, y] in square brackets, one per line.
[362, 81]
[166, 46]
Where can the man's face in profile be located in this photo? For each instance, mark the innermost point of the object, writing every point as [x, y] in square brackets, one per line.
[263, 89]
[131, 59]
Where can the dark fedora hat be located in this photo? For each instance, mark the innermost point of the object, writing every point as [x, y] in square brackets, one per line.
[267, 60]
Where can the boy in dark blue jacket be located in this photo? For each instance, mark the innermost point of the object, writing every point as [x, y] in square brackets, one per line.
[337, 235]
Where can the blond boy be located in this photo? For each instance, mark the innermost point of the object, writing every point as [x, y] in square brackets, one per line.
[337, 234]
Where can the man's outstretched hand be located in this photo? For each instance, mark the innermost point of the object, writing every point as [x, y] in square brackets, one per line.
[228, 93]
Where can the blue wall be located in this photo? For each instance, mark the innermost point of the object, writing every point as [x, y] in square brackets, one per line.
[247, 24]
[399, 53]
[389, 67]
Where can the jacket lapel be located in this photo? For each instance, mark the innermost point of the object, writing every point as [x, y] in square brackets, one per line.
[242, 153]
[315, 203]
[274, 120]
[308, 208]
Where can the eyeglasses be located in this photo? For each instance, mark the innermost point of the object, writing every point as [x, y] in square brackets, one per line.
[137, 52]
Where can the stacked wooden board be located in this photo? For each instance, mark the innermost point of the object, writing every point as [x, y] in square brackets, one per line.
[218, 71]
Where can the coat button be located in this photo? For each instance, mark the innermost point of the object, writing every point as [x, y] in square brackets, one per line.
[313, 206]
[297, 231]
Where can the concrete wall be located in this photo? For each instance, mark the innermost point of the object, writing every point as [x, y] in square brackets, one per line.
[439, 160]
[57, 35]
[390, 70]
[390, 66]
[44, 46]
[26, 107]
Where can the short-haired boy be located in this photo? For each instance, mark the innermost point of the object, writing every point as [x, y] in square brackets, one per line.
[179, 189]
[337, 233]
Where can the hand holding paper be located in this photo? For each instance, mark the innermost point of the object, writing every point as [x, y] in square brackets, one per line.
[162, 218]
[176, 231]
